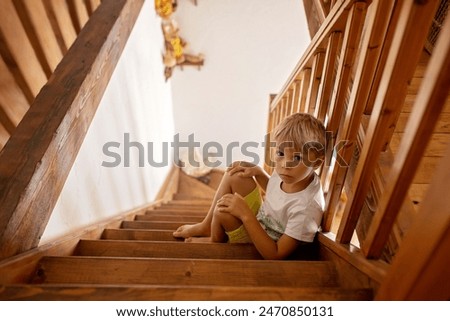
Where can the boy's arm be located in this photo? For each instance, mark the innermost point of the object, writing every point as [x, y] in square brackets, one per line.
[268, 248]
[246, 169]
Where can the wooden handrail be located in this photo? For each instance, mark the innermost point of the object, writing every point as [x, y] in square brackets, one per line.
[335, 21]
[36, 161]
[381, 37]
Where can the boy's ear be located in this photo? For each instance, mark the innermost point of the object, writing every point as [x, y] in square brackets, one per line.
[315, 155]
[314, 160]
[319, 161]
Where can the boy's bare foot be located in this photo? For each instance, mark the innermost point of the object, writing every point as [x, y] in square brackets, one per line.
[198, 240]
[186, 231]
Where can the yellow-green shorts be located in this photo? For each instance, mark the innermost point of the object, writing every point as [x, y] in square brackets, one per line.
[239, 235]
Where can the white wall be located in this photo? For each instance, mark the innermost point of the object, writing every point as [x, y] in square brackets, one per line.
[250, 48]
[137, 101]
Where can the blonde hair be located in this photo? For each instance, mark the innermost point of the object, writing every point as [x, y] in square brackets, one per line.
[304, 131]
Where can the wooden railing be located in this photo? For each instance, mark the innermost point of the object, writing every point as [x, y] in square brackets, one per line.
[37, 159]
[354, 77]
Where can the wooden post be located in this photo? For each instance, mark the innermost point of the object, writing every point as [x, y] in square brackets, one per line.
[316, 76]
[303, 91]
[18, 53]
[424, 250]
[331, 55]
[37, 159]
[296, 94]
[61, 21]
[350, 43]
[335, 21]
[410, 33]
[378, 20]
[428, 105]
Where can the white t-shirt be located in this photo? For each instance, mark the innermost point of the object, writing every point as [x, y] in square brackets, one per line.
[297, 215]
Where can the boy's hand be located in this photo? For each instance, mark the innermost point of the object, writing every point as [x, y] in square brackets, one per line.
[235, 205]
[243, 169]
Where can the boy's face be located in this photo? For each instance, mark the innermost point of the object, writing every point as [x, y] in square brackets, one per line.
[292, 165]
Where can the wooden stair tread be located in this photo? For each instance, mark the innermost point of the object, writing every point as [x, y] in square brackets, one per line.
[136, 234]
[178, 212]
[131, 248]
[150, 217]
[179, 197]
[159, 225]
[176, 206]
[178, 293]
[105, 270]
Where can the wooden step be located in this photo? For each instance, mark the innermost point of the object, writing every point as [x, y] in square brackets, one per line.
[160, 225]
[184, 206]
[190, 200]
[142, 235]
[179, 272]
[176, 212]
[150, 217]
[157, 249]
[48, 292]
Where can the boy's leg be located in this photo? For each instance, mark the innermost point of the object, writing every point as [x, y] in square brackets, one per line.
[228, 185]
[222, 222]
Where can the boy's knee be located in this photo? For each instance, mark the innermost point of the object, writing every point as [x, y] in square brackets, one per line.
[226, 220]
[241, 185]
[220, 216]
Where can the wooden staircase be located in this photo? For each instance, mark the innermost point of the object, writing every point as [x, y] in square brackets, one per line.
[354, 76]
[141, 260]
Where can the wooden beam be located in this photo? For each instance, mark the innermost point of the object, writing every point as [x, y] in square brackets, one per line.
[427, 109]
[37, 159]
[410, 33]
[376, 270]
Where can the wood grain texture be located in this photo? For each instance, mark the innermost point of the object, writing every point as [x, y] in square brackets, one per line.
[37, 159]
[143, 235]
[114, 248]
[409, 33]
[179, 293]
[89, 270]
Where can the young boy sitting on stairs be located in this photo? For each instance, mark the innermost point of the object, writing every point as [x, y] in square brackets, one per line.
[292, 210]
